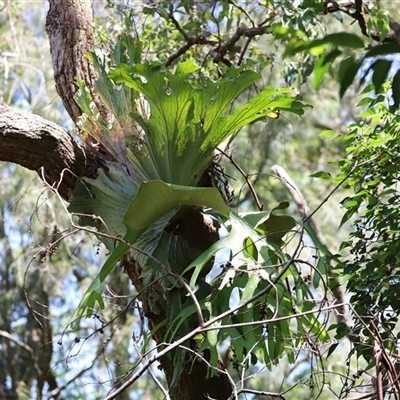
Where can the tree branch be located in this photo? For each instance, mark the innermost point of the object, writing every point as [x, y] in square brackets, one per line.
[356, 9]
[44, 147]
[219, 51]
[191, 41]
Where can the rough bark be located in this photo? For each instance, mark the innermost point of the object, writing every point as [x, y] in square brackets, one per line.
[43, 146]
[71, 36]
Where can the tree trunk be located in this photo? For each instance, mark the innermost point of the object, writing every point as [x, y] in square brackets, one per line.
[47, 148]
[71, 35]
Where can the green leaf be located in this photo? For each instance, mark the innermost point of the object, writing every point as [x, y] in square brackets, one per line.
[154, 200]
[246, 315]
[326, 133]
[321, 175]
[321, 271]
[396, 89]
[259, 107]
[344, 39]
[181, 318]
[275, 227]
[311, 323]
[323, 65]
[347, 72]
[239, 233]
[210, 342]
[332, 348]
[365, 101]
[381, 69]
[188, 119]
[250, 248]
[93, 293]
[368, 89]
[157, 198]
[383, 50]
[217, 97]
[284, 326]
[347, 215]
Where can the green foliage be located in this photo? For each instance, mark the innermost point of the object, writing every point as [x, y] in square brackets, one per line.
[378, 62]
[266, 343]
[153, 201]
[180, 121]
[255, 277]
[373, 275]
[157, 198]
[186, 122]
[316, 46]
[183, 122]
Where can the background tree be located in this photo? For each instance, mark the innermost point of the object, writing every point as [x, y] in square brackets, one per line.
[218, 35]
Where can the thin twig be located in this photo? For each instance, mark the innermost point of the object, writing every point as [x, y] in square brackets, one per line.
[221, 371]
[178, 27]
[246, 178]
[243, 52]
[262, 393]
[19, 343]
[153, 376]
[191, 41]
[243, 11]
[274, 319]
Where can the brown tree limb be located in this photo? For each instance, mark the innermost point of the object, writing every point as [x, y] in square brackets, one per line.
[359, 15]
[44, 147]
[220, 52]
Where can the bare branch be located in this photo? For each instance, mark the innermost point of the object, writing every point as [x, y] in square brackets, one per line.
[246, 178]
[178, 27]
[19, 343]
[359, 15]
[239, 7]
[219, 50]
[262, 393]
